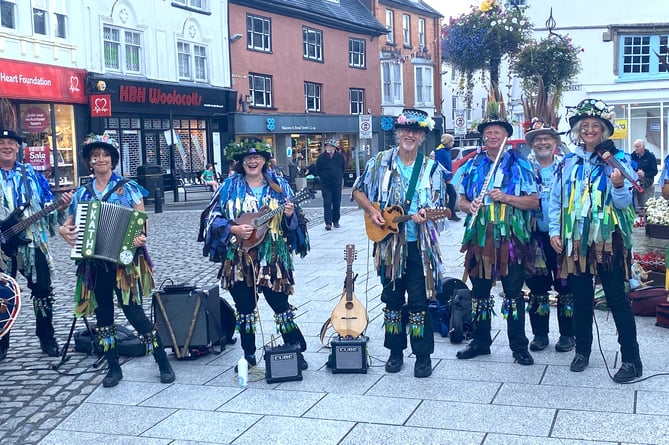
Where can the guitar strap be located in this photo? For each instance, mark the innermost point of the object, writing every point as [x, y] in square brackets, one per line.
[412, 183]
[119, 184]
[26, 185]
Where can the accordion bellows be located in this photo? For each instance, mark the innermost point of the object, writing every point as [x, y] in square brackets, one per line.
[106, 231]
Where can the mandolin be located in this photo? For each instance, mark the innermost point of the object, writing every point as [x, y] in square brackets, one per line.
[260, 220]
[349, 317]
[393, 216]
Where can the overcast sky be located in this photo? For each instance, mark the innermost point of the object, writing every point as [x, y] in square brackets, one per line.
[449, 8]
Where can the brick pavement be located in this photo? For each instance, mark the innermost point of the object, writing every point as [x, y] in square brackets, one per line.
[34, 398]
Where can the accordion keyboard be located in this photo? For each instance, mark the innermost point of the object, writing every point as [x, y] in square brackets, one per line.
[106, 232]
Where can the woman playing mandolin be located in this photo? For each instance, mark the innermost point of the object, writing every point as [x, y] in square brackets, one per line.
[253, 229]
[407, 260]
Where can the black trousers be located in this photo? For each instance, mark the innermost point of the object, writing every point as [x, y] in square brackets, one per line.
[412, 284]
[452, 197]
[515, 325]
[617, 301]
[41, 291]
[331, 202]
[105, 288]
[541, 284]
[245, 303]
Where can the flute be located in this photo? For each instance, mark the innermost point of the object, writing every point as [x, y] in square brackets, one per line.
[484, 188]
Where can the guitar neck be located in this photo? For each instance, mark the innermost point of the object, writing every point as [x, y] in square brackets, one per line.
[263, 219]
[349, 282]
[27, 222]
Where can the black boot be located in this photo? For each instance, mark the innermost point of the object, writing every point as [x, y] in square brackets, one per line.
[395, 362]
[114, 372]
[166, 372]
[423, 366]
[43, 308]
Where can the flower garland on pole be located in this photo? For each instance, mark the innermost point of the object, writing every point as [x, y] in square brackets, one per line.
[480, 39]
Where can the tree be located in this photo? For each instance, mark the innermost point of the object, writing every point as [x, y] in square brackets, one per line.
[545, 68]
[480, 39]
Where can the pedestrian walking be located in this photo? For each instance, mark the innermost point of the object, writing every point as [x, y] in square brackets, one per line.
[330, 166]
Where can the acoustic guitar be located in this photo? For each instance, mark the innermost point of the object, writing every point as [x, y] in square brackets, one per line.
[393, 216]
[349, 317]
[260, 220]
[12, 227]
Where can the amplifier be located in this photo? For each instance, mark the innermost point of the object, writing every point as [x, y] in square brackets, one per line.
[191, 319]
[349, 355]
[282, 364]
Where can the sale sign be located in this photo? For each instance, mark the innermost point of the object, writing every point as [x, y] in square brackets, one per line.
[38, 157]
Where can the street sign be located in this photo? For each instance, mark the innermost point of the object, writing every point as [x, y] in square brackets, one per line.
[365, 121]
[460, 124]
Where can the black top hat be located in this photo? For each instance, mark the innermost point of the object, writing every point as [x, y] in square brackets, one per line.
[494, 119]
[9, 134]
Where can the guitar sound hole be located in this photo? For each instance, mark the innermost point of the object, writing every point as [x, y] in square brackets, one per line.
[349, 305]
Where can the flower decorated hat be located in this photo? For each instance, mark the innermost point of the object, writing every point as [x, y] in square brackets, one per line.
[592, 108]
[238, 150]
[494, 119]
[100, 141]
[539, 127]
[415, 119]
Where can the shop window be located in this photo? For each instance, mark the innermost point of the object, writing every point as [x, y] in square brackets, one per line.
[312, 96]
[258, 33]
[47, 147]
[39, 21]
[122, 49]
[8, 14]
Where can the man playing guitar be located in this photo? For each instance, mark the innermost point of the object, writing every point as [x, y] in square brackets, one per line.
[265, 265]
[408, 261]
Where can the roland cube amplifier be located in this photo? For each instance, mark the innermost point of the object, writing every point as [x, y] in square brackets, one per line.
[282, 364]
[349, 355]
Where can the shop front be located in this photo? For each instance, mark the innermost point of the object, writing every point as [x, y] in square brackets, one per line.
[50, 114]
[298, 139]
[171, 126]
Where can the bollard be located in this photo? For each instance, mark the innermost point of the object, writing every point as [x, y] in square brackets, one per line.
[158, 208]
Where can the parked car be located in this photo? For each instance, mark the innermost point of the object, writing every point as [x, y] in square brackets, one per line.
[460, 155]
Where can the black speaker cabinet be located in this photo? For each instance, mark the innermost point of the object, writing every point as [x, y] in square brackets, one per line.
[196, 312]
[349, 356]
[282, 364]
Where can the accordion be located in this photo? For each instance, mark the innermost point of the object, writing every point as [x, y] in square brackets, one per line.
[105, 231]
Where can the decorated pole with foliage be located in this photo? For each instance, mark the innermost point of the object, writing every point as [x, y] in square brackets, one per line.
[545, 68]
[479, 40]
